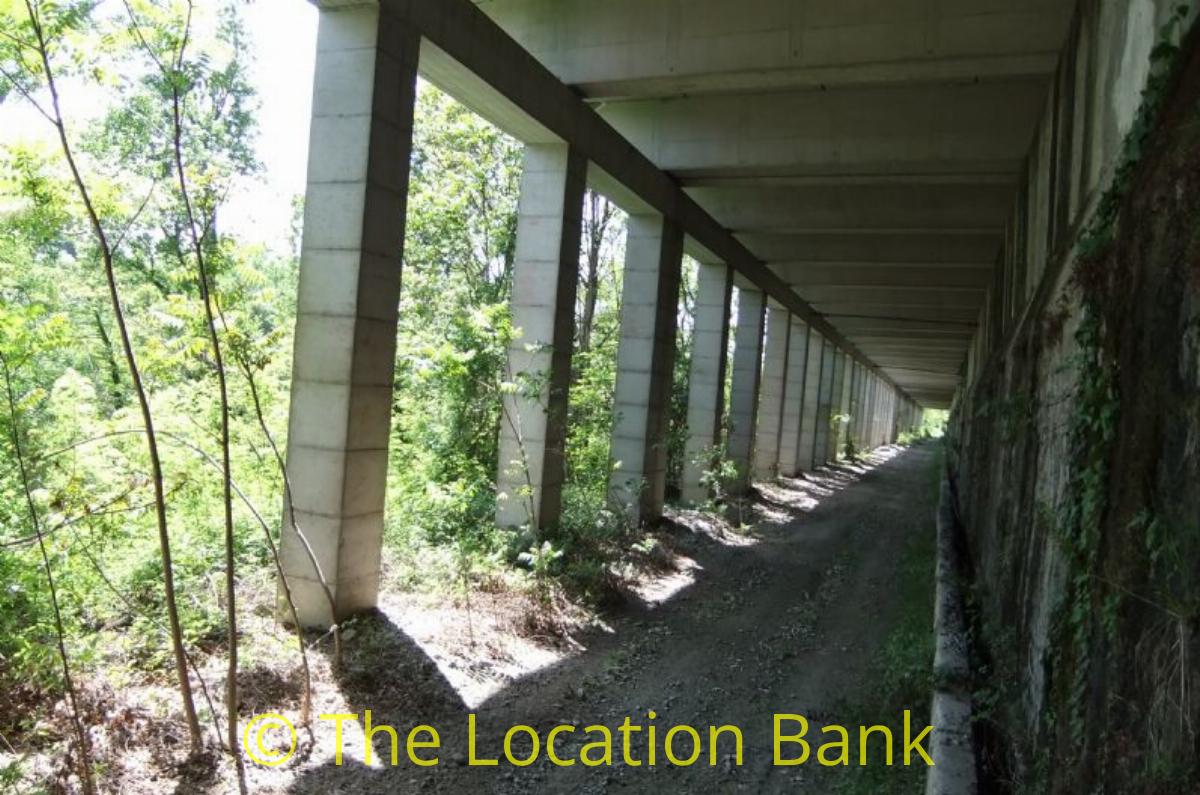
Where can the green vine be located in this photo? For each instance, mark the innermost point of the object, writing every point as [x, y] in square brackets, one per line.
[1092, 429]
[1164, 62]
[1092, 432]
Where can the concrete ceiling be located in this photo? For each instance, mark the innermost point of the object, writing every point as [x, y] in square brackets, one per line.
[866, 150]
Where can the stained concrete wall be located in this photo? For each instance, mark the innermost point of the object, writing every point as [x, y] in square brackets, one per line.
[1074, 497]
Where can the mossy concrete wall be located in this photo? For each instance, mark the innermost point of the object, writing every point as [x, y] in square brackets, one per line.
[1075, 444]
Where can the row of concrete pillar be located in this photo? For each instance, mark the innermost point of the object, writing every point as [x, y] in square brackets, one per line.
[796, 400]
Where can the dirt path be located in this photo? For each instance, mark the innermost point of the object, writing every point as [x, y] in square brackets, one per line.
[787, 624]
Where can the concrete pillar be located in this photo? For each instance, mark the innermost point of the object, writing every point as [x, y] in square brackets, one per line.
[545, 276]
[885, 420]
[809, 404]
[853, 403]
[747, 373]
[844, 406]
[793, 404]
[891, 417]
[645, 366]
[871, 412]
[345, 342]
[836, 427]
[893, 408]
[706, 379]
[861, 421]
[824, 405]
[880, 415]
[771, 392]
[885, 429]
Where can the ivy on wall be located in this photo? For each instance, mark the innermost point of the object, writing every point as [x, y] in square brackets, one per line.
[1087, 616]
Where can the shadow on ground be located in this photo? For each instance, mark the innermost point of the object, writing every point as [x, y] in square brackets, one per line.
[783, 624]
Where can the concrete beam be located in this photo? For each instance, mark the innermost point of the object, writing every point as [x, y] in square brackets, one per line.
[897, 295]
[920, 249]
[628, 48]
[932, 314]
[487, 70]
[805, 275]
[873, 327]
[858, 206]
[930, 129]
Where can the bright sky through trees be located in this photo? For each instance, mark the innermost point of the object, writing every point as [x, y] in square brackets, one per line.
[283, 36]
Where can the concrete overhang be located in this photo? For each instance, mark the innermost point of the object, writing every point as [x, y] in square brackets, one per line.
[856, 159]
[867, 150]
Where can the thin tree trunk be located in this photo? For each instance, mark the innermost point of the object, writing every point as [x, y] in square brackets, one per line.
[244, 365]
[156, 469]
[204, 279]
[114, 369]
[85, 755]
[599, 216]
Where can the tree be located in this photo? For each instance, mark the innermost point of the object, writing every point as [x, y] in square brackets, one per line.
[597, 225]
[29, 55]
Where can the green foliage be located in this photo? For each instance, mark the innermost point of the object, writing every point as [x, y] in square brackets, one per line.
[87, 458]
[541, 560]
[1164, 57]
[454, 331]
[1088, 611]
[85, 439]
[717, 471]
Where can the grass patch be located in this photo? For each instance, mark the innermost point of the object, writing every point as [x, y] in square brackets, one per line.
[901, 670]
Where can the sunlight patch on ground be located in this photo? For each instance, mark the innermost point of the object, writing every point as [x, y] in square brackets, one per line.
[713, 527]
[805, 492]
[479, 651]
[658, 589]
